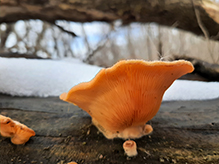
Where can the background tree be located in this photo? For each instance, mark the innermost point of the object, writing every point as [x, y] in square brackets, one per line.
[48, 29]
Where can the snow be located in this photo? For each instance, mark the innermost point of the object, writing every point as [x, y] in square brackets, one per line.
[32, 77]
[43, 78]
[192, 90]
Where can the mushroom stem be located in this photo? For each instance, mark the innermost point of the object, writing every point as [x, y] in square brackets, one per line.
[134, 132]
[130, 148]
[106, 133]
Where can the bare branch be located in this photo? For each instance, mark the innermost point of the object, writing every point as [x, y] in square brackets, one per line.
[85, 38]
[216, 37]
[66, 31]
[165, 13]
[100, 45]
[204, 30]
[201, 25]
[20, 55]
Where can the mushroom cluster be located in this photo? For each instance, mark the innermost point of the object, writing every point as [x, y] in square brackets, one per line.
[19, 133]
[123, 98]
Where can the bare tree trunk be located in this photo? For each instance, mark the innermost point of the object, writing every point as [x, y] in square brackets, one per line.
[168, 12]
[149, 42]
[131, 48]
[160, 44]
[4, 36]
[86, 39]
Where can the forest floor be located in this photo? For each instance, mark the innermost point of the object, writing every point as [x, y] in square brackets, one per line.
[184, 132]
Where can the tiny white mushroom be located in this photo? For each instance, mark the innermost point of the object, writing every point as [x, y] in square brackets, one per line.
[130, 148]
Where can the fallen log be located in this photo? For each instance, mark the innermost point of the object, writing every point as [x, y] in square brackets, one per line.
[206, 71]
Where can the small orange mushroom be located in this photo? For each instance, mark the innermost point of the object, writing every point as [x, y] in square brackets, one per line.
[123, 98]
[130, 148]
[7, 126]
[19, 133]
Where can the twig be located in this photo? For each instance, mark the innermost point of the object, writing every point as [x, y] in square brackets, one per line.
[175, 24]
[85, 38]
[216, 37]
[201, 25]
[151, 41]
[62, 29]
[144, 150]
[20, 55]
[101, 44]
[203, 28]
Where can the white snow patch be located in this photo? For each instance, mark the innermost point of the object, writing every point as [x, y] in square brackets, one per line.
[32, 77]
[192, 90]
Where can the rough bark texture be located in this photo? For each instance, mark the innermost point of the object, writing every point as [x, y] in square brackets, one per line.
[175, 13]
[184, 132]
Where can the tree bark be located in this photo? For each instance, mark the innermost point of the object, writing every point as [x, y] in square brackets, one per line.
[177, 13]
[204, 69]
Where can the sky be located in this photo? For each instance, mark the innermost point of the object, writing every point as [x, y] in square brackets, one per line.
[43, 78]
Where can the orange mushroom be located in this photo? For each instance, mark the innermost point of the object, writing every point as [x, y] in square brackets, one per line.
[19, 133]
[130, 148]
[123, 98]
[7, 126]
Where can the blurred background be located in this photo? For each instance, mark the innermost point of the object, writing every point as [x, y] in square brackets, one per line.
[103, 43]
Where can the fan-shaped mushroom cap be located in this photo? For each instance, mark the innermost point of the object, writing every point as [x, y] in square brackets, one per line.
[22, 135]
[127, 94]
[19, 133]
[6, 126]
